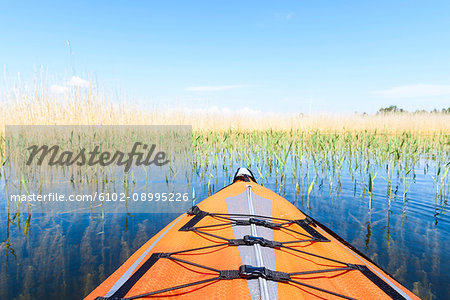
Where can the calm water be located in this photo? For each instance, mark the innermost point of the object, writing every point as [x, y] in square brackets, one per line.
[68, 255]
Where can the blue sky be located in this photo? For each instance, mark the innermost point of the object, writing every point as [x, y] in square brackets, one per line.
[284, 56]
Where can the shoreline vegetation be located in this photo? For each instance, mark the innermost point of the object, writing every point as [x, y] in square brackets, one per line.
[268, 141]
[265, 139]
[88, 106]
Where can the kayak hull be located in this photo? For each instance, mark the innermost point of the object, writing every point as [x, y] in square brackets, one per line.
[185, 259]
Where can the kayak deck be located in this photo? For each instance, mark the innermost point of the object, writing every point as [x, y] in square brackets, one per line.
[246, 242]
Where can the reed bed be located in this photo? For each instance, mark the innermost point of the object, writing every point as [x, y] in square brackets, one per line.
[280, 143]
[91, 107]
[307, 149]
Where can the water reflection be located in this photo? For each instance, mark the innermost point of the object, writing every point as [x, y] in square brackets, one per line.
[401, 225]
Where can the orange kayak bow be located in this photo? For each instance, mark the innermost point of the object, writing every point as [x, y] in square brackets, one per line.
[247, 242]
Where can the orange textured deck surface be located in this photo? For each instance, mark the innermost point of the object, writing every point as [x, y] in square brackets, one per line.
[167, 273]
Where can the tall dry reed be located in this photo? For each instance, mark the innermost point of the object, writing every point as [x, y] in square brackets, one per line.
[88, 106]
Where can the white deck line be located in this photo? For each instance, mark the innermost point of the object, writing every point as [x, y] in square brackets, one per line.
[264, 290]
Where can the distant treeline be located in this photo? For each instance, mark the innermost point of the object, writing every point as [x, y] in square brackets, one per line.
[395, 109]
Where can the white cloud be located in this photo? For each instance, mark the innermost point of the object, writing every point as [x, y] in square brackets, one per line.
[75, 81]
[78, 82]
[58, 89]
[415, 91]
[214, 88]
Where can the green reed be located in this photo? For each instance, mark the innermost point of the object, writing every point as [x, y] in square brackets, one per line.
[306, 160]
[321, 156]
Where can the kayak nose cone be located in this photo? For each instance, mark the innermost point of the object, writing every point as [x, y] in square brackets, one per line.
[243, 174]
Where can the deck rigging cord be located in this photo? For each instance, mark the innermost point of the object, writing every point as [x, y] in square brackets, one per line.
[249, 272]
